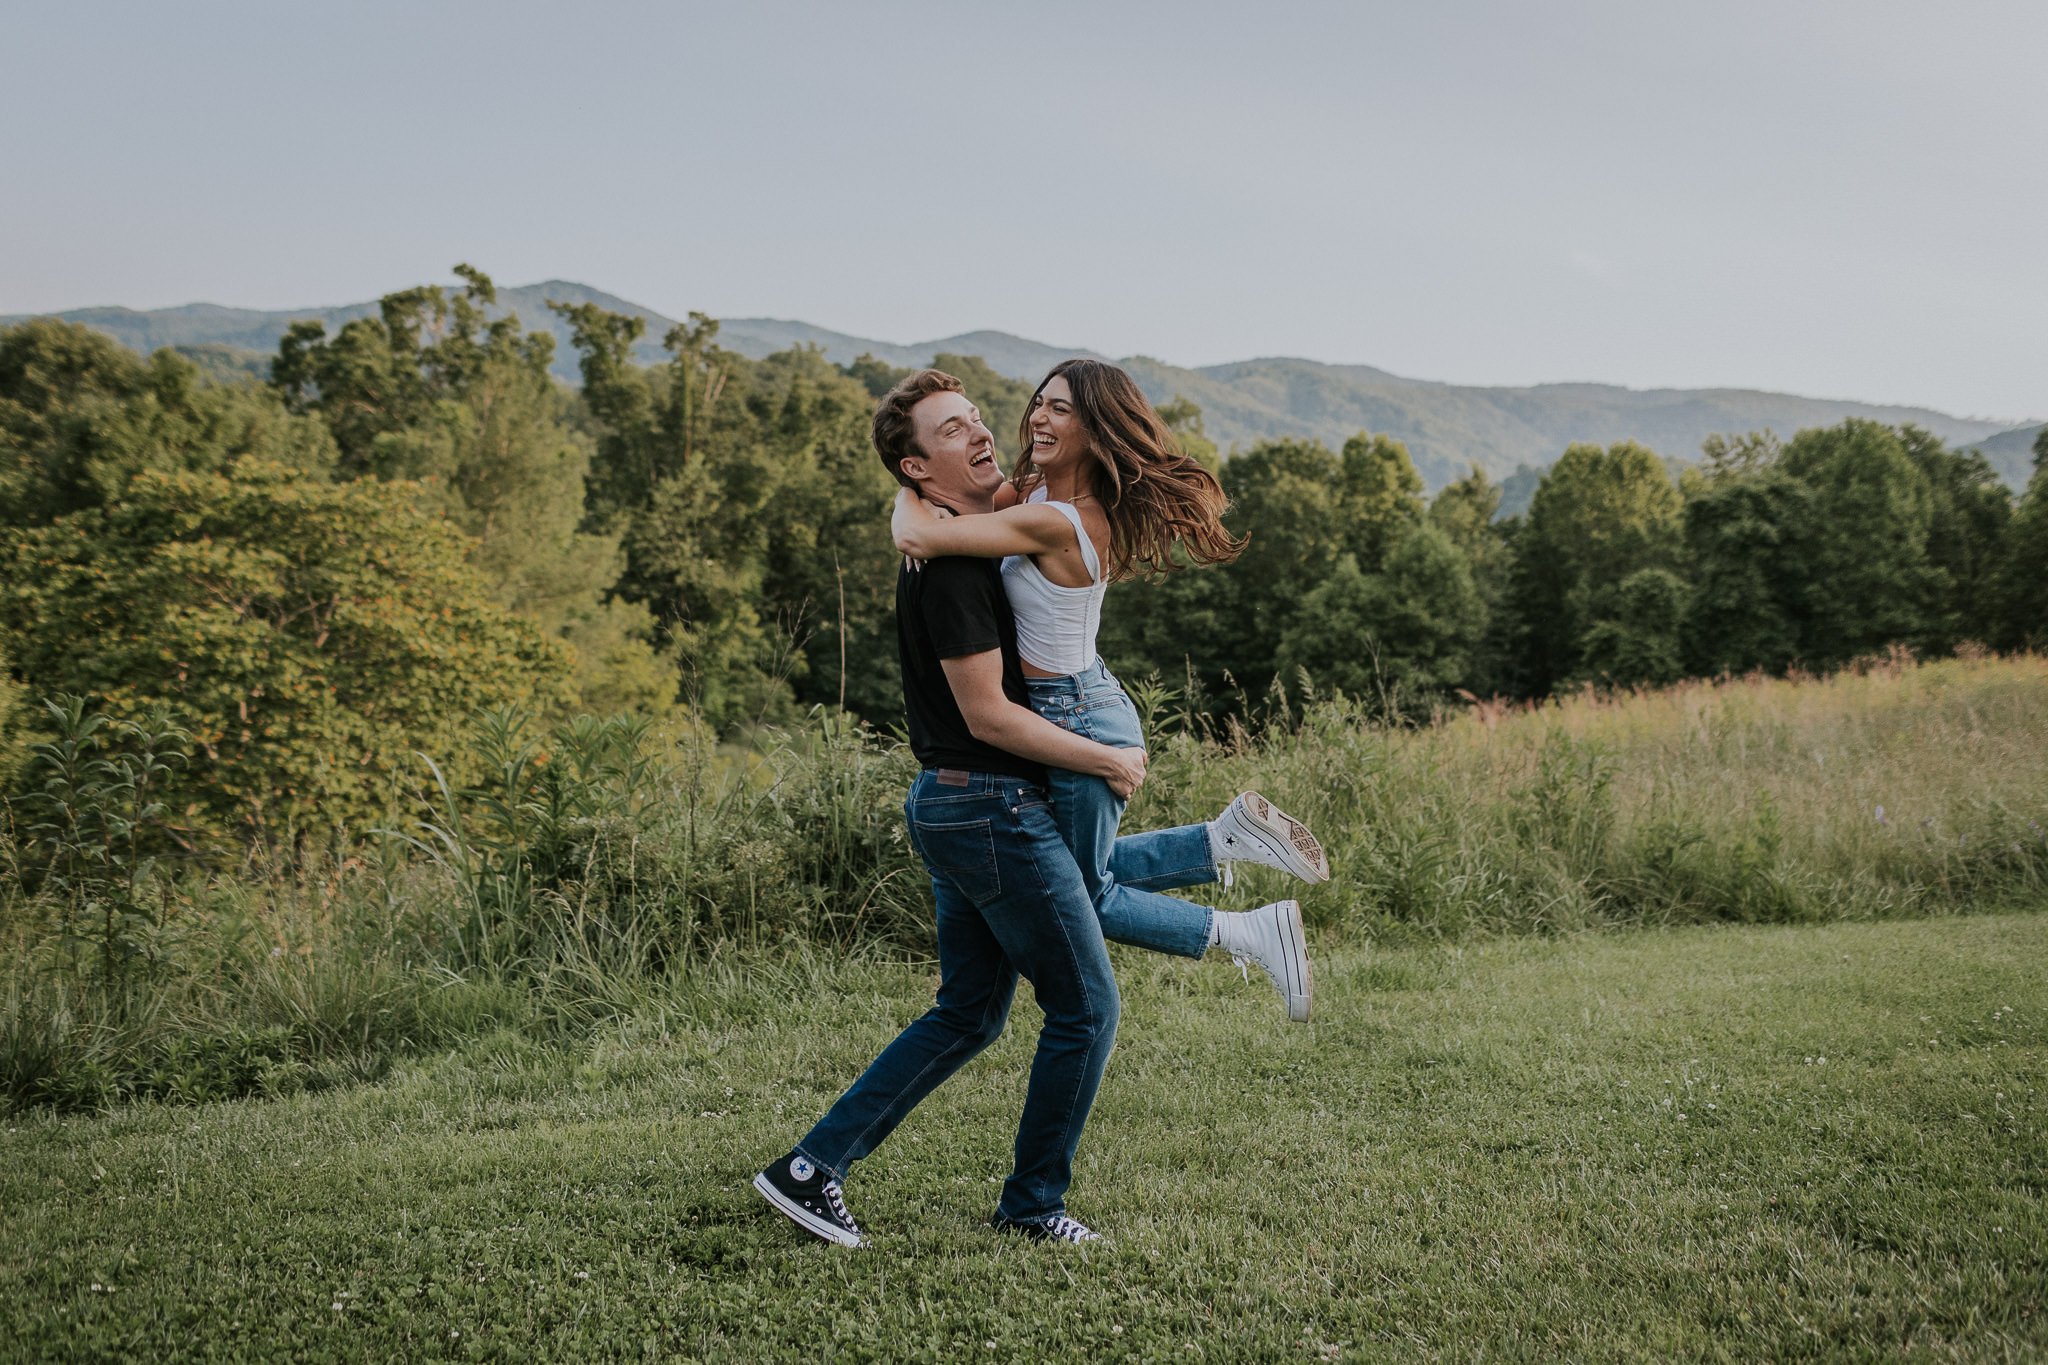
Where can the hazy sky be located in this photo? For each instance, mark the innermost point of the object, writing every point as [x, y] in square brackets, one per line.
[1845, 200]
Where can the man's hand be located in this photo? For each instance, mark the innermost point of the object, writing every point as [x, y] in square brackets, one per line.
[1129, 772]
[992, 718]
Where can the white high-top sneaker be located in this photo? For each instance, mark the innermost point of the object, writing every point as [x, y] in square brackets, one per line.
[1254, 830]
[1272, 937]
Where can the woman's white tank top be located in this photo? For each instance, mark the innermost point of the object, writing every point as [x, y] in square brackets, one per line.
[1056, 625]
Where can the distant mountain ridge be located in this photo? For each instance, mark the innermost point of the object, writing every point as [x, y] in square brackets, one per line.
[1447, 427]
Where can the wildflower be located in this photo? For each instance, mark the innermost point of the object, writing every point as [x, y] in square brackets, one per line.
[1880, 816]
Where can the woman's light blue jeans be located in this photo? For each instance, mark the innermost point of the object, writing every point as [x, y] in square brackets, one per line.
[1123, 875]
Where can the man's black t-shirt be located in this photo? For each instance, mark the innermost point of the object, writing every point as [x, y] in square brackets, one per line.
[949, 608]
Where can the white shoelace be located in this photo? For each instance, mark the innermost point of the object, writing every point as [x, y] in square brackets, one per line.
[1242, 962]
[838, 1204]
[1067, 1229]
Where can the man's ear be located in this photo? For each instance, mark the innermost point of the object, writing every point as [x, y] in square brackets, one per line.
[914, 468]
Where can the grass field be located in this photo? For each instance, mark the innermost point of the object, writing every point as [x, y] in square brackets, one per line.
[1719, 1142]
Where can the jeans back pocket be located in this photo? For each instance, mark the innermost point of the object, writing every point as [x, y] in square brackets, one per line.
[961, 853]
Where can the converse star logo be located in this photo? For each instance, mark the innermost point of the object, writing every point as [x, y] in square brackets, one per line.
[800, 1169]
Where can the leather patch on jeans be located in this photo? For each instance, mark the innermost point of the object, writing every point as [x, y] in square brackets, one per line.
[951, 777]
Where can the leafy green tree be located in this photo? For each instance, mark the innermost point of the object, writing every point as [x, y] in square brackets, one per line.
[1969, 508]
[311, 636]
[1179, 629]
[830, 567]
[1467, 511]
[80, 415]
[1436, 612]
[1159, 628]
[1379, 497]
[1869, 579]
[1638, 642]
[1280, 497]
[875, 375]
[633, 450]
[436, 390]
[1724, 457]
[2023, 577]
[760, 541]
[1183, 417]
[1746, 537]
[1597, 517]
[1401, 637]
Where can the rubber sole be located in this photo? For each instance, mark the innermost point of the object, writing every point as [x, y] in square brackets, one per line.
[1289, 835]
[802, 1217]
[1294, 940]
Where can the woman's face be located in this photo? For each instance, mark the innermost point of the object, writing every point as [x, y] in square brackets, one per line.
[1057, 436]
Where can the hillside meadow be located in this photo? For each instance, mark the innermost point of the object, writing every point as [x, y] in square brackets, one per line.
[1700, 1143]
[1697, 1023]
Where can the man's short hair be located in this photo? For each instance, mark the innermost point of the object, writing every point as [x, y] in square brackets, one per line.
[895, 434]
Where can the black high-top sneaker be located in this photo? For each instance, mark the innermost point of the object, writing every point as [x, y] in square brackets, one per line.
[1057, 1227]
[810, 1198]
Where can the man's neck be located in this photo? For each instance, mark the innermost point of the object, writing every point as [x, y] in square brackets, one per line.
[959, 506]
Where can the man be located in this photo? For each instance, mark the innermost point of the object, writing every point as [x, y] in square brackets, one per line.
[1010, 901]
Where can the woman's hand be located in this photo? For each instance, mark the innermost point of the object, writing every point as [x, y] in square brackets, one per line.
[910, 512]
[910, 509]
[1124, 771]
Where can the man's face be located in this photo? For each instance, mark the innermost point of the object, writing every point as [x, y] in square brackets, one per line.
[958, 468]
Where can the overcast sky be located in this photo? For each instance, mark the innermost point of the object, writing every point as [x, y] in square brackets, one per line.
[1844, 200]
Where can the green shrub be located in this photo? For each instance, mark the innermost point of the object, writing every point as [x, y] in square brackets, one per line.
[311, 637]
[14, 726]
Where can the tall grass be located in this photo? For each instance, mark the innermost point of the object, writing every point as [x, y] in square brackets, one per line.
[598, 870]
[1893, 789]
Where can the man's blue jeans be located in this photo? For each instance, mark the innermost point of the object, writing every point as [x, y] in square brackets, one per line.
[1010, 902]
[1123, 875]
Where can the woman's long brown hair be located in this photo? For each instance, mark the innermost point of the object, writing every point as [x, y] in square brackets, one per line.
[1156, 497]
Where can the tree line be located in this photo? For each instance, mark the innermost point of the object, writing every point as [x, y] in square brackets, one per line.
[318, 576]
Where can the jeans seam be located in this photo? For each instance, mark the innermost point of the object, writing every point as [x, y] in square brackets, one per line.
[911, 1084]
[1088, 1002]
[1207, 865]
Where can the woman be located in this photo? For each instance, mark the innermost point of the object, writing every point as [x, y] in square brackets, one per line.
[1101, 493]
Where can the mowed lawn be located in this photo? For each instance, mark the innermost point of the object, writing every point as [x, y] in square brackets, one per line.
[1719, 1142]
